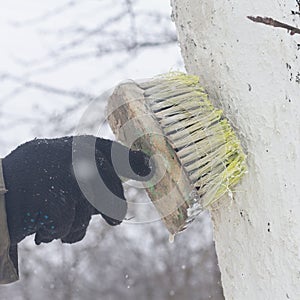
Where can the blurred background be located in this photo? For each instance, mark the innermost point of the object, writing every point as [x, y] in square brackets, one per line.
[55, 58]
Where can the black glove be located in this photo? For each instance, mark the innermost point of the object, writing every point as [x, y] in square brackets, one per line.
[44, 196]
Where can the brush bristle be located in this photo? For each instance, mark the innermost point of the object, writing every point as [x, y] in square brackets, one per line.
[203, 139]
[196, 154]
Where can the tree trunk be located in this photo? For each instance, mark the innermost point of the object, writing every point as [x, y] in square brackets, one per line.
[252, 71]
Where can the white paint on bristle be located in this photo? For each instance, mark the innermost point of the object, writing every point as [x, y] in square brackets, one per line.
[171, 238]
[203, 140]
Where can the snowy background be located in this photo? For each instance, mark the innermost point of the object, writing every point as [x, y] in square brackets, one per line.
[55, 57]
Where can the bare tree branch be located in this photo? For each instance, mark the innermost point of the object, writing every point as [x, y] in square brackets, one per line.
[47, 88]
[271, 22]
[49, 14]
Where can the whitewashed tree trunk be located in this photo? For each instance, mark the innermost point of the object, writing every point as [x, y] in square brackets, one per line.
[252, 71]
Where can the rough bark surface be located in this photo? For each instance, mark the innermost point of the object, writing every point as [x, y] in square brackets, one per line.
[253, 73]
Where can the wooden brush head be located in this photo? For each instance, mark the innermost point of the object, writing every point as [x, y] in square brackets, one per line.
[197, 156]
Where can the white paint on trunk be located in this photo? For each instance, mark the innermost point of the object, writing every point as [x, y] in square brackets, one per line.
[252, 71]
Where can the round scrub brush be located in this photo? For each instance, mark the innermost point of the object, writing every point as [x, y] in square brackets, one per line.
[196, 154]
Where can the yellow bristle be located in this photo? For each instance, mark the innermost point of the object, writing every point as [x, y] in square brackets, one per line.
[204, 141]
[172, 116]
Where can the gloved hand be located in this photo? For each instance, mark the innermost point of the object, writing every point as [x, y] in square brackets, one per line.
[44, 196]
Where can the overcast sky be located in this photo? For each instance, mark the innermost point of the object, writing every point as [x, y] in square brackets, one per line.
[30, 30]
